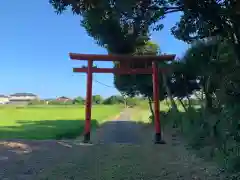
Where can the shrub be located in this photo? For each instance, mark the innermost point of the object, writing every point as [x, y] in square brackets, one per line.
[79, 100]
[215, 136]
[37, 102]
[55, 102]
[114, 100]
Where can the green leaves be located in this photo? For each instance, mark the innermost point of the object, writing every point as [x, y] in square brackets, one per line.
[114, 21]
[203, 19]
[139, 84]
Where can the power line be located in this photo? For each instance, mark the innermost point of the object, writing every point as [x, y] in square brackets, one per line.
[101, 83]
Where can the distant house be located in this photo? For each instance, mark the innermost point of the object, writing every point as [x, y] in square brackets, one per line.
[22, 98]
[4, 99]
[63, 99]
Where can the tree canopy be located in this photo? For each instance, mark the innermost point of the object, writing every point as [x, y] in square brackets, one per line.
[128, 21]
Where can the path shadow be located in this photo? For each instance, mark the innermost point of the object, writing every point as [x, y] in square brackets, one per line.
[24, 138]
[22, 155]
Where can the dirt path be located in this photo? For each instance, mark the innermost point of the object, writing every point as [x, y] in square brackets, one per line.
[120, 130]
[122, 150]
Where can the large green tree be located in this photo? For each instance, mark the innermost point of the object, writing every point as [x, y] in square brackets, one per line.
[200, 18]
[210, 18]
[109, 22]
[122, 28]
[128, 23]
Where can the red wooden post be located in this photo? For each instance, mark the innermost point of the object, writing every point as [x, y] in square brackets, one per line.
[88, 103]
[155, 76]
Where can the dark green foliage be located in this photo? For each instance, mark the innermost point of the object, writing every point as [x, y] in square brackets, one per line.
[213, 130]
[109, 22]
[181, 81]
[79, 100]
[114, 100]
[133, 85]
[97, 99]
[207, 19]
[132, 101]
[214, 137]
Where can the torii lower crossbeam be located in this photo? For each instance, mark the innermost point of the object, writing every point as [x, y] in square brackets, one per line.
[154, 70]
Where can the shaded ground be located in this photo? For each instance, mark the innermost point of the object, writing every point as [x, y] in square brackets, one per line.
[121, 150]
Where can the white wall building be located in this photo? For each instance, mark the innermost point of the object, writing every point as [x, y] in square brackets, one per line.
[4, 99]
[23, 97]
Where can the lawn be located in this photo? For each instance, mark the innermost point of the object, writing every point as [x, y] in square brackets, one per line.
[50, 122]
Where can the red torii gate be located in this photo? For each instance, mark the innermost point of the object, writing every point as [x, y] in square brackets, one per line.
[124, 68]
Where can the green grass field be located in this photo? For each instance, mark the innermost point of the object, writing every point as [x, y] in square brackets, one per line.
[50, 122]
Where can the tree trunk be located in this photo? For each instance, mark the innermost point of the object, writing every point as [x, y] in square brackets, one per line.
[150, 106]
[173, 103]
[208, 98]
[236, 47]
[200, 98]
[166, 100]
[236, 43]
[183, 105]
[208, 101]
[189, 102]
[124, 99]
[125, 102]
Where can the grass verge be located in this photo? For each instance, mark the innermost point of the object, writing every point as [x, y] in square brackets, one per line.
[50, 123]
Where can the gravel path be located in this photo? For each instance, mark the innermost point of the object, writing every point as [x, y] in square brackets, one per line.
[121, 130]
[122, 150]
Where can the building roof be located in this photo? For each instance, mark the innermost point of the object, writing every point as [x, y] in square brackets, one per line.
[23, 94]
[49, 99]
[63, 97]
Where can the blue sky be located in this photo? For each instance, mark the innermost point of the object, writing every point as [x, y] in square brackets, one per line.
[34, 47]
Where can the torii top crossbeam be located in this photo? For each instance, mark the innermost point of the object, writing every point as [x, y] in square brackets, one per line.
[110, 57]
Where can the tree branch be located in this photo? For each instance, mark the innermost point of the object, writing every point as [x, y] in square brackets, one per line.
[173, 9]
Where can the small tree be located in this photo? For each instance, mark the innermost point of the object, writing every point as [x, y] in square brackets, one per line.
[97, 99]
[78, 100]
[114, 100]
